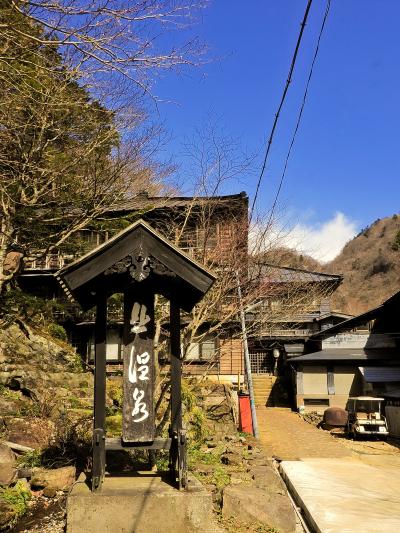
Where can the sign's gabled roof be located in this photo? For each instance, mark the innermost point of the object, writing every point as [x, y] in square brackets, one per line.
[137, 255]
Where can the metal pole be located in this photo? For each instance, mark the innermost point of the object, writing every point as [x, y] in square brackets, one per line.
[247, 360]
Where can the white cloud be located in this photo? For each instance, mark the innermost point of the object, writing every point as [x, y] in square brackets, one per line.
[322, 241]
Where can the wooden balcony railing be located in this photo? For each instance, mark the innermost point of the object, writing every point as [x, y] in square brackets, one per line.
[288, 332]
[48, 262]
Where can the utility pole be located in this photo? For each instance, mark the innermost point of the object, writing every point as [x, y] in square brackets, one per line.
[247, 360]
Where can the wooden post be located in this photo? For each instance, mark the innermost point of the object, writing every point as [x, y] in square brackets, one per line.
[138, 406]
[178, 465]
[176, 368]
[99, 453]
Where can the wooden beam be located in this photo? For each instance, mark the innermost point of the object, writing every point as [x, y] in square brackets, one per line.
[115, 443]
[99, 453]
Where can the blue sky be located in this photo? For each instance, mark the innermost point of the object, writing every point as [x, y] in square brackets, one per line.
[346, 158]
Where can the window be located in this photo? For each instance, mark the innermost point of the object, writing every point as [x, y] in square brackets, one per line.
[113, 348]
[201, 351]
[308, 402]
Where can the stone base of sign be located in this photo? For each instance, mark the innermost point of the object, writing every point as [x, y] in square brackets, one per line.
[142, 502]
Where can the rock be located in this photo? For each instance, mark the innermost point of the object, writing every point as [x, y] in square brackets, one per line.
[9, 406]
[265, 477]
[32, 432]
[252, 505]
[7, 456]
[8, 470]
[232, 458]
[24, 473]
[8, 474]
[57, 479]
[205, 469]
[49, 492]
[240, 477]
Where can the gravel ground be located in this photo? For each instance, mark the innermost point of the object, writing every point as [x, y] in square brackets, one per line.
[44, 516]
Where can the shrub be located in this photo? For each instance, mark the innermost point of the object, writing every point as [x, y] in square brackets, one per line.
[115, 392]
[380, 265]
[32, 459]
[57, 331]
[16, 497]
[396, 242]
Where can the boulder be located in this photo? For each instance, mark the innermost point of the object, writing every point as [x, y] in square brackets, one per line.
[7, 456]
[8, 470]
[232, 458]
[265, 477]
[32, 432]
[53, 480]
[252, 505]
[8, 474]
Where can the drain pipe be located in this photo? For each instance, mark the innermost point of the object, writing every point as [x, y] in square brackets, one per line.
[247, 360]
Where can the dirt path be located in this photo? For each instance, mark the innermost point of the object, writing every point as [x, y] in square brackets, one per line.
[286, 436]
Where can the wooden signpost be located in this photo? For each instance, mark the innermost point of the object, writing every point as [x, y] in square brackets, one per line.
[140, 263]
[138, 410]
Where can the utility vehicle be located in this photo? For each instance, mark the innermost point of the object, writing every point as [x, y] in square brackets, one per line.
[366, 418]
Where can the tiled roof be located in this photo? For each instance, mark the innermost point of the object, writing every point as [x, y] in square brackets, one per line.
[144, 201]
[277, 274]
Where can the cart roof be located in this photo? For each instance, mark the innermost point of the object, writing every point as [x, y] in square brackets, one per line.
[366, 398]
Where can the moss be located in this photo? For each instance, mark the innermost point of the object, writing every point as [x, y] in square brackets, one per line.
[115, 392]
[114, 425]
[194, 415]
[9, 394]
[16, 499]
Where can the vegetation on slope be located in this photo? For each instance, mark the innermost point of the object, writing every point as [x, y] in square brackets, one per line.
[370, 264]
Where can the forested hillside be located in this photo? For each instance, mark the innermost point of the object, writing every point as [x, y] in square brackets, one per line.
[370, 264]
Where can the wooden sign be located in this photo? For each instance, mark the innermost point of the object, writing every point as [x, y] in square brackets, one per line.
[138, 405]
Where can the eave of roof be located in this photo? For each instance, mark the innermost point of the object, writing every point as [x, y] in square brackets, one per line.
[142, 201]
[283, 274]
[349, 355]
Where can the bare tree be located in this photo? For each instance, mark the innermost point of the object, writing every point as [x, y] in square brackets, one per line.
[110, 39]
[75, 139]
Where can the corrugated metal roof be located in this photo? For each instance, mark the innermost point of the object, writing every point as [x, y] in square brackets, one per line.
[380, 374]
[391, 355]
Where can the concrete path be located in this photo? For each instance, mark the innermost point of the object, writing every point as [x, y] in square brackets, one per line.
[286, 436]
[341, 487]
[345, 495]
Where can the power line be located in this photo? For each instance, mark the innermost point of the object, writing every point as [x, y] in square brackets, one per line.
[289, 79]
[328, 5]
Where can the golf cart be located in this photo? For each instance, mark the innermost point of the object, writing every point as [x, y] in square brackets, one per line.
[365, 417]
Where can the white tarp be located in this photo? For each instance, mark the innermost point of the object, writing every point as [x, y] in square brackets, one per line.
[380, 374]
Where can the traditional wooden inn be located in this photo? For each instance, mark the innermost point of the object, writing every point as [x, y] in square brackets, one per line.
[291, 306]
